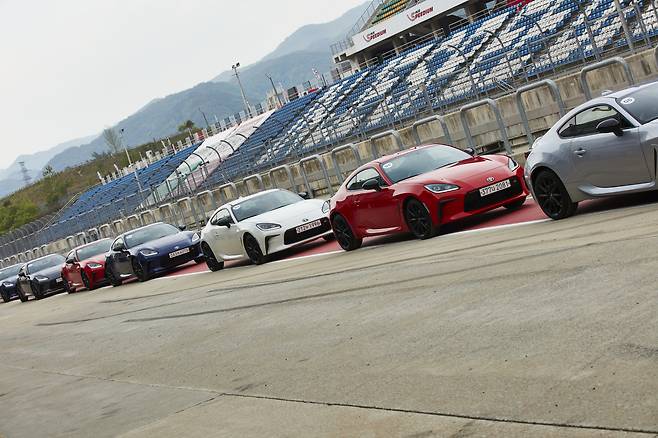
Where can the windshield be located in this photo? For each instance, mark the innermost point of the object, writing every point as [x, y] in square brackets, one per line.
[153, 232]
[642, 104]
[95, 249]
[422, 161]
[264, 203]
[11, 271]
[45, 263]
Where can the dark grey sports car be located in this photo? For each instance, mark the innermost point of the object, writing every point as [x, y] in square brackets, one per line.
[41, 277]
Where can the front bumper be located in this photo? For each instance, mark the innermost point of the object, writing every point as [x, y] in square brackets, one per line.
[163, 263]
[290, 238]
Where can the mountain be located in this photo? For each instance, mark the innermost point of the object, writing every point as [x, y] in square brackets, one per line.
[307, 48]
[12, 176]
[162, 117]
[291, 63]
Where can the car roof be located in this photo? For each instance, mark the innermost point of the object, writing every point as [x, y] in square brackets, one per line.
[385, 158]
[92, 243]
[141, 228]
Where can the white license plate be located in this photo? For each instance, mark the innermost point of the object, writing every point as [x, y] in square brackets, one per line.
[59, 280]
[498, 187]
[175, 254]
[309, 226]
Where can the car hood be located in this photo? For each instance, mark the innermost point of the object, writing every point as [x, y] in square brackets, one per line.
[54, 272]
[294, 213]
[183, 239]
[468, 173]
[12, 280]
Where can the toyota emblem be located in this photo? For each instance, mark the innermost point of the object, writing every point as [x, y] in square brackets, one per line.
[491, 179]
[304, 220]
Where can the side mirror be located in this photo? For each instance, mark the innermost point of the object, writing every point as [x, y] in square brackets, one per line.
[119, 247]
[610, 126]
[470, 151]
[225, 222]
[304, 195]
[70, 261]
[371, 184]
[182, 227]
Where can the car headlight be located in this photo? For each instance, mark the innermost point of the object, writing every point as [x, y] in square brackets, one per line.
[326, 207]
[513, 165]
[195, 237]
[267, 227]
[441, 188]
[94, 265]
[40, 278]
[148, 252]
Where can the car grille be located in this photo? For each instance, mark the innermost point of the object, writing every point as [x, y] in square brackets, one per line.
[166, 262]
[473, 201]
[291, 236]
[54, 285]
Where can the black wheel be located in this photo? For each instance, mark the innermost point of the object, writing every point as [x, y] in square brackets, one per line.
[67, 287]
[114, 281]
[553, 197]
[85, 281]
[253, 250]
[344, 234]
[213, 264]
[515, 205]
[139, 271]
[22, 296]
[5, 295]
[36, 291]
[419, 220]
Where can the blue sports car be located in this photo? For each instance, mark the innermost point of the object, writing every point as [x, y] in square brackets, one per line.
[151, 250]
[8, 280]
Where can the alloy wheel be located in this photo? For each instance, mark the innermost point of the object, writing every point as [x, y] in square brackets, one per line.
[344, 235]
[419, 220]
[252, 248]
[552, 197]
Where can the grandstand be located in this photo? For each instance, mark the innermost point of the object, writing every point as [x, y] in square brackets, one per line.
[448, 53]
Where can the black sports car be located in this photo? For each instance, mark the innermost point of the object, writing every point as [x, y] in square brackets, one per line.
[41, 277]
[8, 279]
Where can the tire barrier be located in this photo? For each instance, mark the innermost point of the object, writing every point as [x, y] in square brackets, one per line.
[617, 60]
[351, 147]
[499, 120]
[425, 121]
[555, 92]
[323, 168]
[397, 139]
[259, 183]
[288, 171]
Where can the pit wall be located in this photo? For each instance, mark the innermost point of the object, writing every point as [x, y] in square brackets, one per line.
[321, 178]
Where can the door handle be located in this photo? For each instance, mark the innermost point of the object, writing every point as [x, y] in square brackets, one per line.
[580, 152]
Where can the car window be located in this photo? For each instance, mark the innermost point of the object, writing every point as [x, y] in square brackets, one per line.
[221, 216]
[356, 183]
[149, 234]
[47, 262]
[9, 272]
[641, 104]
[423, 160]
[586, 121]
[93, 250]
[264, 203]
[117, 244]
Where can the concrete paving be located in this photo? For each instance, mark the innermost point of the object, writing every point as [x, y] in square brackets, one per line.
[547, 329]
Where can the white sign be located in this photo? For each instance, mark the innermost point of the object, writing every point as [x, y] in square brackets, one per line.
[420, 13]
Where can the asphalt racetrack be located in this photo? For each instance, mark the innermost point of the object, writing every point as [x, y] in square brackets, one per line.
[510, 325]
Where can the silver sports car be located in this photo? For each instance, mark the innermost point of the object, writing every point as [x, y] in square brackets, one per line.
[607, 146]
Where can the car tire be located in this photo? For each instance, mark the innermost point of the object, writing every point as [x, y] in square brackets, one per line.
[68, 288]
[22, 296]
[344, 234]
[36, 292]
[211, 261]
[109, 274]
[5, 295]
[200, 260]
[139, 271]
[253, 250]
[85, 281]
[329, 237]
[515, 205]
[419, 220]
[552, 196]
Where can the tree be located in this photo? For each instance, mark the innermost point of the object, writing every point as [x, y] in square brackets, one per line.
[112, 140]
[185, 126]
[48, 171]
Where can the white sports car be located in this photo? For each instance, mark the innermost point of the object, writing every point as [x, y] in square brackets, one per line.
[260, 225]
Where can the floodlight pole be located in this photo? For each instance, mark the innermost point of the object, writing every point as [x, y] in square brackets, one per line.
[244, 96]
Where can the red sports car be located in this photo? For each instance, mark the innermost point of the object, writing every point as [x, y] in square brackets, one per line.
[85, 266]
[420, 189]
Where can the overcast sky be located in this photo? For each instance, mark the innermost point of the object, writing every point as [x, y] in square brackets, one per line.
[72, 67]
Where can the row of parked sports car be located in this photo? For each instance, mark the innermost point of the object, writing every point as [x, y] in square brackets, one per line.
[604, 147]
